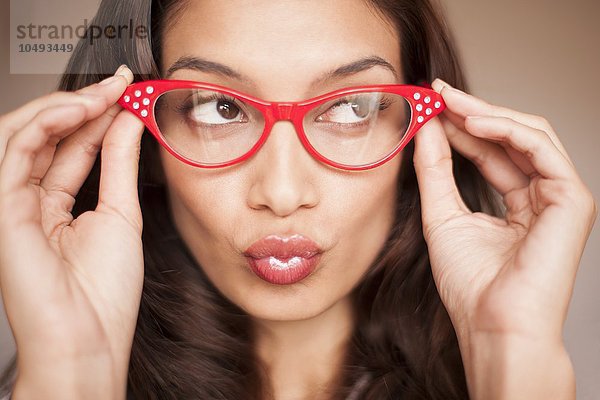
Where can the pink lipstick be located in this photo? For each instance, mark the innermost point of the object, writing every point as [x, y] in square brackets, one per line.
[283, 260]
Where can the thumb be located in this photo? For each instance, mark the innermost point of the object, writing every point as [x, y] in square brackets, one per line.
[119, 168]
[440, 199]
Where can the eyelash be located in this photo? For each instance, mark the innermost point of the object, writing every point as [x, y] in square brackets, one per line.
[384, 103]
[184, 108]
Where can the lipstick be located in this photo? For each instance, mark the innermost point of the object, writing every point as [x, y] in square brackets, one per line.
[283, 260]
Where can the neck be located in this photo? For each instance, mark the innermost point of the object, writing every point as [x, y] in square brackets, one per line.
[305, 355]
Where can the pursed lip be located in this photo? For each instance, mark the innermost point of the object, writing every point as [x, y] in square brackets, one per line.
[283, 247]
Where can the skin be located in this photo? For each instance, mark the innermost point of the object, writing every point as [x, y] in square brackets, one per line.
[506, 283]
[282, 189]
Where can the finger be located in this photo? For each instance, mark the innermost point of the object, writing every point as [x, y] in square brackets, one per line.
[533, 143]
[440, 198]
[490, 159]
[104, 93]
[29, 268]
[20, 212]
[17, 119]
[22, 148]
[518, 158]
[76, 154]
[122, 74]
[119, 168]
[463, 104]
[45, 156]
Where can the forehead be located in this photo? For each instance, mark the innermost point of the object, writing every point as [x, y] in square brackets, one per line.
[281, 43]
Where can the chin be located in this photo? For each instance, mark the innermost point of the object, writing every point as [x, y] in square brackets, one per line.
[279, 313]
[260, 299]
[283, 303]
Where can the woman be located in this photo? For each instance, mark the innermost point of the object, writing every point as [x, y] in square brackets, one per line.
[425, 287]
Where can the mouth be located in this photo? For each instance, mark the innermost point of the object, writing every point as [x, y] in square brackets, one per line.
[283, 260]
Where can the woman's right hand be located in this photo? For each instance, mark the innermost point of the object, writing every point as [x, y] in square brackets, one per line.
[71, 288]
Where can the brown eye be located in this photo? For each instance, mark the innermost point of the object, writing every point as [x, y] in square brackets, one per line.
[227, 109]
[213, 111]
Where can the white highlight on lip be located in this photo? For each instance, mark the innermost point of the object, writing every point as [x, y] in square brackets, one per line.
[293, 262]
[287, 239]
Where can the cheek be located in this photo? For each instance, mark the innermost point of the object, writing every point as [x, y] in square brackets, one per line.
[367, 202]
[205, 203]
[356, 208]
[354, 214]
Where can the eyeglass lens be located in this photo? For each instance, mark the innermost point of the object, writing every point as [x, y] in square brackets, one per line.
[213, 127]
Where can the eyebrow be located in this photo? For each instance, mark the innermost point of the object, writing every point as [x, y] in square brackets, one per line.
[203, 65]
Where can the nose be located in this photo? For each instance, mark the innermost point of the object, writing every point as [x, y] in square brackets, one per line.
[283, 173]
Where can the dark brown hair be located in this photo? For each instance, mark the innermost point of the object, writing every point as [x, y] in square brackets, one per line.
[193, 343]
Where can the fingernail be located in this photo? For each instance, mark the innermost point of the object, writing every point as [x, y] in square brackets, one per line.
[126, 73]
[120, 69]
[442, 83]
[120, 72]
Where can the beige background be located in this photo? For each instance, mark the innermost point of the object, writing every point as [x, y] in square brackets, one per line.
[540, 57]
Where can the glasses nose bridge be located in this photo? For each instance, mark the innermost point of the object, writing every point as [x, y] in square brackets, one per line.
[283, 110]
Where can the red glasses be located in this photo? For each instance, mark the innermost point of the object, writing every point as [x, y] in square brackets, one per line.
[211, 126]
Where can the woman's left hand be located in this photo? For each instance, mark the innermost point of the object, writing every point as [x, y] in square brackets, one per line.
[506, 278]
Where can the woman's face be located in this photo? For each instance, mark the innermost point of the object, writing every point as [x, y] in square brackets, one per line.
[281, 47]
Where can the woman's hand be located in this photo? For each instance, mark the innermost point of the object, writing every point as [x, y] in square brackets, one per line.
[71, 288]
[506, 282]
